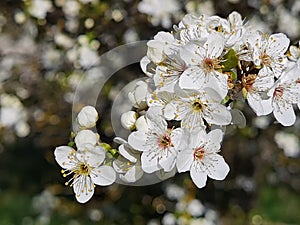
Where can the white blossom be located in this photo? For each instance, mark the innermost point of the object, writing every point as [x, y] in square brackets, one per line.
[203, 65]
[128, 164]
[159, 144]
[86, 168]
[201, 158]
[192, 108]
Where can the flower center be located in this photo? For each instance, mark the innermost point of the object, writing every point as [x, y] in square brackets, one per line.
[198, 105]
[278, 92]
[164, 141]
[209, 65]
[265, 59]
[248, 81]
[199, 153]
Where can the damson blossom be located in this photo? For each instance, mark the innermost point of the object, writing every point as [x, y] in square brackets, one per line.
[159, 144]
[203, 65]
[163, 44]
[85, 168]
[284, 94]
[194, 108]
[128, 163]
[255, 89]
[269, 51]
[201, 157]
[232, 28]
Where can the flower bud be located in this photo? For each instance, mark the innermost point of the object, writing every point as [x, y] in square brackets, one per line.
[128, 120]
[138, 96]
[141, 123]
[87, 117]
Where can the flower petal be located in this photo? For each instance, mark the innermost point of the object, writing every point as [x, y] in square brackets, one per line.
[184, 160]
[62, 156]
[149, 164]
[192, 78]
[133, 174]
[218, 169]
[84, 137]
[137, 140]
[84, 188]
[103, 175]
[198, 176]
[284, 113]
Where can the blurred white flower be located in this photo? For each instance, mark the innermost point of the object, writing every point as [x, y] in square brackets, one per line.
[174, 192]
[168, 219]
[40, 8]
[71, 8]
[195, 208]
[87, 117]
[160, 12]
[13, 114]
[88, 57]
[288, 142]
[63, 40]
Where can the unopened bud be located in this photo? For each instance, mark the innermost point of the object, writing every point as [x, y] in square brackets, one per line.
[128, 120]
[87, 117]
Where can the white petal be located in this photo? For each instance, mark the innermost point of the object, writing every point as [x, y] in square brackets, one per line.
[83, 188]
[192, 78]
[238, 118]
[284, 114]
[62, 156]
[138, 139]
[95, 156]
[215, 136]
[103, 175]
[85, 137]
[149, 163]
[199, 178]
[170, 111]
[184, 160]
[219, 168]
[133, 174]
[87, 117]
[260, 107]
[127, 154]
[141, 124]
[217, 114]
[277, 44]
[215, 45]
[168, 161]
[190, 55]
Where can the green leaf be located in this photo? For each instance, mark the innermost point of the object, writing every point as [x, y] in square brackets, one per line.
[230, 60]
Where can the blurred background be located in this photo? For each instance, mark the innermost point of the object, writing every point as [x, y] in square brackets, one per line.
[47, 47]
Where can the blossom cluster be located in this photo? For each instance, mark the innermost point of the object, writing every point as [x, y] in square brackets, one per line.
[194, 76]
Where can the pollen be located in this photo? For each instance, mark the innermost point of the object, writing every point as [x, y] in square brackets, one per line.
[198, 105]
[199, 153]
